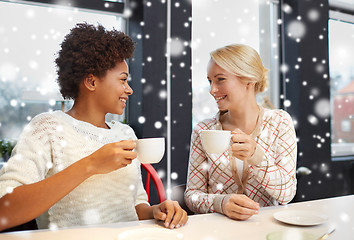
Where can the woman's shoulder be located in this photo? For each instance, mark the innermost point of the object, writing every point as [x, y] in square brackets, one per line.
[46, 118]
[124, 130]
[206, 124]
[276, 114]
[277, 118]
[42, 124]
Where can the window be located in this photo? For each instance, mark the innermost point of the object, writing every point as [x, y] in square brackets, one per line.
[30, 35]
[214, 26]
[341, 68]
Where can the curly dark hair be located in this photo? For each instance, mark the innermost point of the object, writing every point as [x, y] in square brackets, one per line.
[89, 50]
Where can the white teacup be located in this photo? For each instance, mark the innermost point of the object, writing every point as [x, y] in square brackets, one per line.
[215, 141]
[150, 150]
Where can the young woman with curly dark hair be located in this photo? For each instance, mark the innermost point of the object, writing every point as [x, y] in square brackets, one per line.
[73, 168]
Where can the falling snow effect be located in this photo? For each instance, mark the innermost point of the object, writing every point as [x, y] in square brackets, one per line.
[312, 119]
[174, 175]
[141, 120]
[313, 15]
[296, 29]
[53, 227]
[91, 216]
[161, 173]
[322, 108]
[9, 189]
[15, 78]
[158, 125]
[177, 47]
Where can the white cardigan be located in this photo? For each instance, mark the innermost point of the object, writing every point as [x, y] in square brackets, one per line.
[53, 141]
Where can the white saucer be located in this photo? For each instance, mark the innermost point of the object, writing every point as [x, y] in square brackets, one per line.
[150, 234]
[301, 218]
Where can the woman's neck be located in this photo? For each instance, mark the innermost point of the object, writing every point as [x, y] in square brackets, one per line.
[244, 118]
[84, 112]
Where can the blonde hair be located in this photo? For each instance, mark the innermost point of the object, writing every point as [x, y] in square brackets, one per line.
[244, 62]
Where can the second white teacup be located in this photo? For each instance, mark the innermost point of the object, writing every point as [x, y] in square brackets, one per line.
[215, 141]
[150, 150]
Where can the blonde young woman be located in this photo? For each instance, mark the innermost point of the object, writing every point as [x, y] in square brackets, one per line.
[259, 168]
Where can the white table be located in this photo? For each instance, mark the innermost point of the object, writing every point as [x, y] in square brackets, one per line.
[340, 211]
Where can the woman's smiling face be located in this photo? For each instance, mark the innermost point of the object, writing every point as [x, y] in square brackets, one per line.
[113, 89]
[225, 87]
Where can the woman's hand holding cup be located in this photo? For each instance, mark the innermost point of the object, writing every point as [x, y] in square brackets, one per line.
[218, 141]
[110, 157]
[243, 146]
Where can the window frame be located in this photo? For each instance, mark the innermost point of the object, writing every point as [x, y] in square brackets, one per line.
[344, 13]
[114, 6]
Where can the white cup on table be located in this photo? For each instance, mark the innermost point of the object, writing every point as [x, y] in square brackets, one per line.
[215, 141]
[150, 150]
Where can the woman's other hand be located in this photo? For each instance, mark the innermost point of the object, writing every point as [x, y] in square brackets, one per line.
[111, 156]
[244, 146]
[171, 213]
[239, 207]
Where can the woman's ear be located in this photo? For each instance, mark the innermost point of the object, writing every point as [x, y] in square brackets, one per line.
[250, 85]
[90, 82]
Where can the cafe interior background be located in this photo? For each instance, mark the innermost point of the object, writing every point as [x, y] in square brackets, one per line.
[308, 46]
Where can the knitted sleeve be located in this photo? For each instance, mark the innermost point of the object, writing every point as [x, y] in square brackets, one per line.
[277, 171]
[31, 157]
[196, 195]
[141, 196]
[141, 193]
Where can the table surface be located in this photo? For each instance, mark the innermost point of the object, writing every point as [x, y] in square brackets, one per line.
[340, 212]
